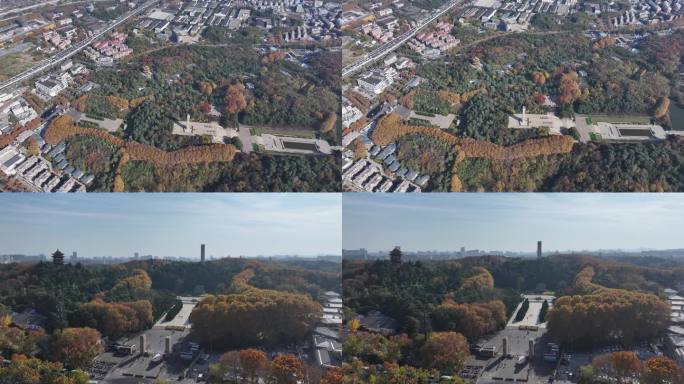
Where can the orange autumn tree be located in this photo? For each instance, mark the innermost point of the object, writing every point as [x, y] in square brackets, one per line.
[599, 314]
[118, 102]
[353, 325]
[16, 340]
[62, 128]
[332, 376]
[662, 107]
[328, 125]
[538, 77]
[358, 124]
[133, 103]
[660, 369]
[287, 369]
[76, 347]
[8, 138]
[235, 99]
[206, 87]
[569, 88]
[584, 281]
[189, 155]
[450, 97]
[482, 280]
[272, 57]
[445, 351]
[603, 42]
[252, 316]
[359, 148]
[80, 103]
[474, 320]
[137, 285]
[30, 370]
[117, 319]
[32, 146]
[407, 100]
[626, 364]
[253, 362]
[390, 128]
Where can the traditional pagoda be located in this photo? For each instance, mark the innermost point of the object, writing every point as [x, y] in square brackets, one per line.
[58, 258]
[395, 255]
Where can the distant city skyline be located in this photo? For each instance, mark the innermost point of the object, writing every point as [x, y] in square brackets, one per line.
[175, 225]
[513, 221]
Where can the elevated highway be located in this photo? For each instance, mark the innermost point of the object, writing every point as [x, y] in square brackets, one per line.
[397, 41]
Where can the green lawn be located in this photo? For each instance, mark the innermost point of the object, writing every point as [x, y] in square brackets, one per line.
[15, 63]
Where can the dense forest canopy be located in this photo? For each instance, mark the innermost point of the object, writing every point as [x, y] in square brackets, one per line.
[252, 302]
[187, 78]
[479, 286]
[614, 314]
[122, 298]
[557, 69]
[225, 83]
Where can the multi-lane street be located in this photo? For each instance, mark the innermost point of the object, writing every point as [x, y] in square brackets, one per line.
[69, 52]
[398, 41]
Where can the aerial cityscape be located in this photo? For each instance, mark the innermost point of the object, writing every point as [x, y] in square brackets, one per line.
[341, 191]
[330, 96]
[167, 95]
[497, 95]
[211, 314]
[529, 317]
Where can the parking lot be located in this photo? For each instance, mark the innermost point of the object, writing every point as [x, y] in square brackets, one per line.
[137, 366]
[513, 368]
[509, 368]
[119, 368]
[114, 367]
[515, 365]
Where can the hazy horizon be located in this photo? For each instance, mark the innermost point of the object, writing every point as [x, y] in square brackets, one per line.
[513, 221]
[525, 252]
[172, 225]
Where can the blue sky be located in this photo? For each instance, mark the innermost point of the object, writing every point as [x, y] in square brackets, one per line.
[508, 221]
[171, 224]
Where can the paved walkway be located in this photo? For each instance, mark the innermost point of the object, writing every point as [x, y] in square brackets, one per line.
[532, 315]
[246, 139]
[182, 319]
[583, 128]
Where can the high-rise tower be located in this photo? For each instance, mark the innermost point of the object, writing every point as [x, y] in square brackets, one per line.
[202, 253]
[539, 249]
